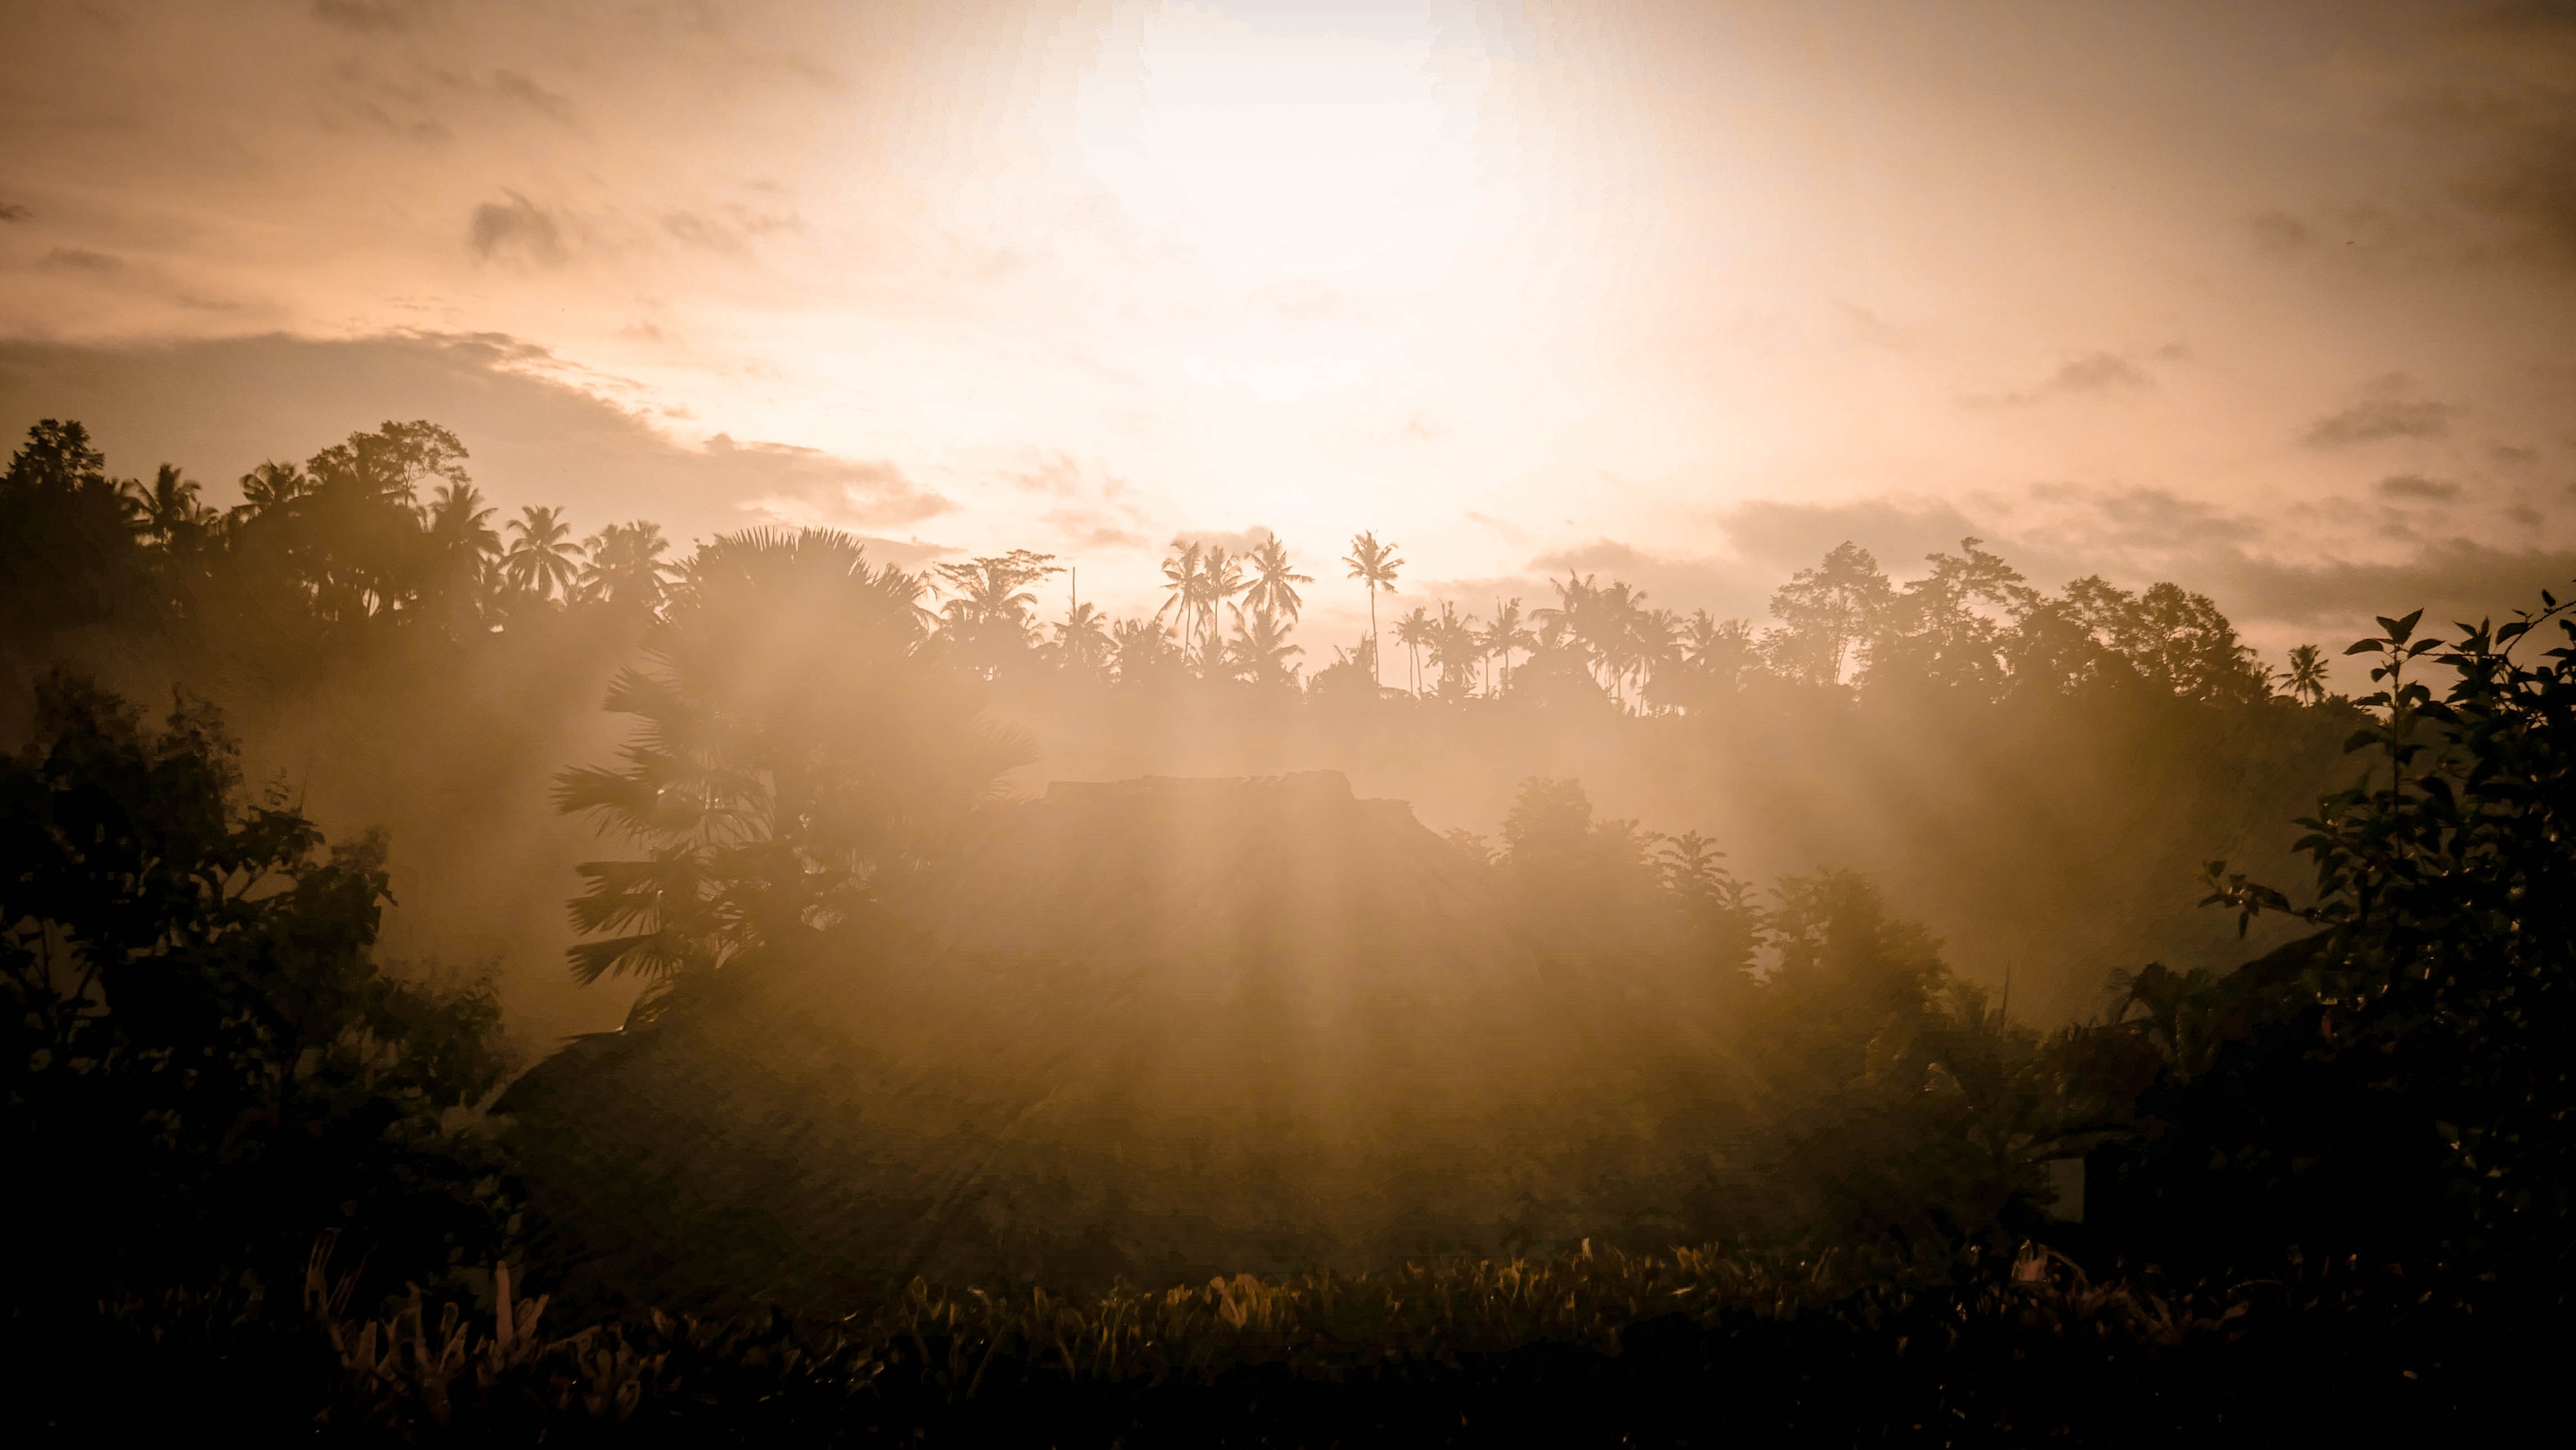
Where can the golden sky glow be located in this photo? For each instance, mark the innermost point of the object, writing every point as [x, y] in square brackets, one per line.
[2273, 300]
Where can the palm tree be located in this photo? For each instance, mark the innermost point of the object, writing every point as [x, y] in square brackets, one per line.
[1374, 565]
[2307, 677]
[1220, 579]
[1654, 645]
[168, 511]
[991, 615]
[1260, 649]
[462, 549]
[1575, 618]
[1455, 646]
[1142, 648]
[541, 560]
[625, 565]
[1413, 632]
[1181, 581]
[795, 750]
[1273, 582]
[1507, 634]
[1082, 641]
[271, 486]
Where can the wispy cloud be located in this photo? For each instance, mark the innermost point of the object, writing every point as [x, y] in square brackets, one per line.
[2379, 419]
[518, 229]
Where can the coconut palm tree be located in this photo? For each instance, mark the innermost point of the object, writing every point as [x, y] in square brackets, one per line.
[1260, 649]
[1413, 632]
[796, 747]
[1220, 580]
[626, 567]
[2307, 675]
[1654, 646]
[991, 618]
[1575, 619]
[1082, 640]
[168, 511]
[1455, 647]
[1273, 589]
[271, 486]
[1183, 587]
[461, 525]
[1374, 565]
[1142, 649]
[542, 560]
[462, 548]
[1508, 633]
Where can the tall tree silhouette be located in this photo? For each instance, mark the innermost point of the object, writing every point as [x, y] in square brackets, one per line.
[1220, 580]
[466, 548]
[1143, 649]
[624, 565]
[1374, 565]
[1827, 615]
[1081, 641]
[542, 562]
[169, 511]
[72, 530]
[1508, 634]
[1273, 588]
[271, 486]
[1413, 632]
[1184, 585]
[991, 612]
[795, 744]
[1260, 650]
[2308, 674]
[1454, 646]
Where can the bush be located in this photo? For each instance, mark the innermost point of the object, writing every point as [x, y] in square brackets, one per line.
[199, 1044]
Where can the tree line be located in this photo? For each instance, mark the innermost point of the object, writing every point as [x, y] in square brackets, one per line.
[387, 532]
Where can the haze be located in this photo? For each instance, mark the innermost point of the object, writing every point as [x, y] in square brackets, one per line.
[2269, 300]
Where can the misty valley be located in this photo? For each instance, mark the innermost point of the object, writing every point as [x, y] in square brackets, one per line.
[473, 983]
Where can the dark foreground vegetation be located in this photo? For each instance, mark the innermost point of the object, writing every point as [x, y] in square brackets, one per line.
[930, 1102]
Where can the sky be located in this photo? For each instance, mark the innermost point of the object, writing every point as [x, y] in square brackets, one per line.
[2273, 300]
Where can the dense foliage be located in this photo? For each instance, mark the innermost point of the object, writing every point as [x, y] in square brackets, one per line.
[201, 1050]
[857, 1171]
[2395, 1085]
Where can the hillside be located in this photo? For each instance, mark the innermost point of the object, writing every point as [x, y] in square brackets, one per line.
[1156, 1028]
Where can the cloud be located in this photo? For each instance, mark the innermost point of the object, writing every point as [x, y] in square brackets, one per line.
[2415, 487]
[1091, 529]
[806, 486]
[699, 231]
[1059, 475]
[1243, 542]
[1679, 582]
[373, 17]
[74, 259]
[2281, 233]
[1788, 536]
[2140, 520]
[1098, 513]
[2377, 419]
[511, 84]
[537, 436]
[515, 228]
[2094, 374]
[2097, 372]
[2452, 579]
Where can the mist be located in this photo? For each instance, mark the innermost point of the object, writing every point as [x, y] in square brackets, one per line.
[1180, 724]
